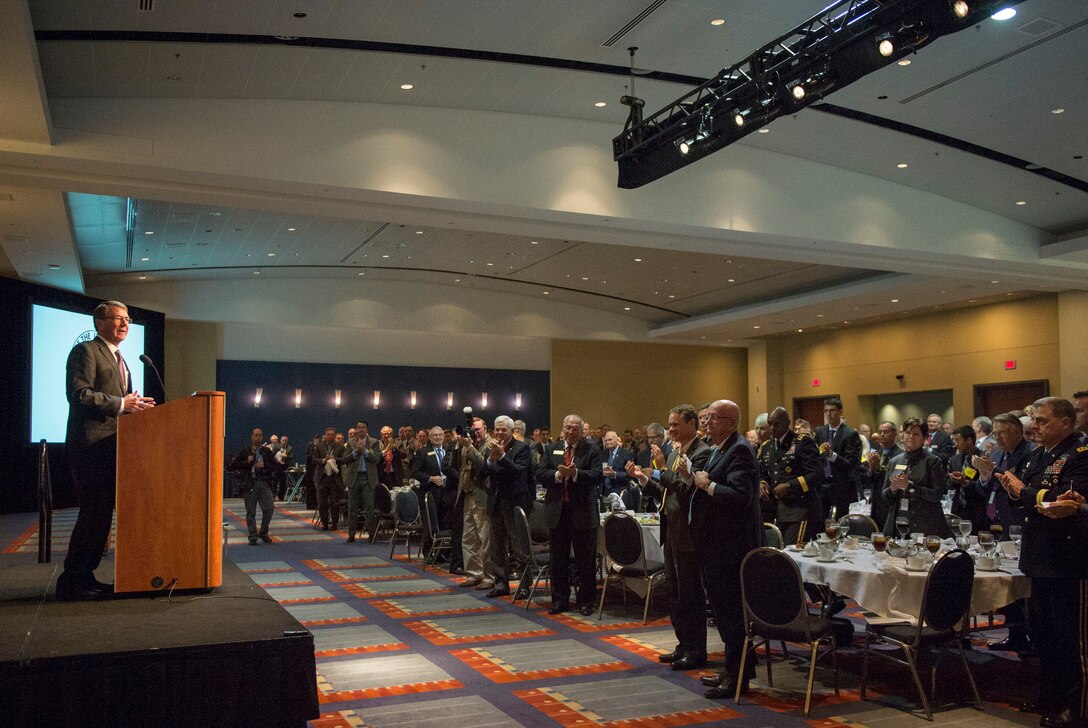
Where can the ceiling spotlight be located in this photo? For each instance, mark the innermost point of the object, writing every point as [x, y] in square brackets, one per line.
[717, 21]
[684, 147]
[904, 62]
[1021, 202]
[798, 92]
[764, 130]
[885, 44]
[145, 259]
[960, 9]
[600, 104]
[149, 232]
[406, 87]
[738, 119]
[1058, 110]
[1004, 14]
[902, 165]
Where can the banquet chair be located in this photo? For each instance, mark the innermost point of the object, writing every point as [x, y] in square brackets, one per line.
[537, 564]
[772, 536]
[440, 538]
[942, 623]
[861, 525]
[773, 597]
[383, 505]
[623, 545]
[406, 521]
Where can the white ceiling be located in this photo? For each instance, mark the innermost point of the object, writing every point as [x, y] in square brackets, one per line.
[994, 86]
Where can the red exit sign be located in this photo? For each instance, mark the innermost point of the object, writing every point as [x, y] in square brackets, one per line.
[1010, 364]
[815, 382]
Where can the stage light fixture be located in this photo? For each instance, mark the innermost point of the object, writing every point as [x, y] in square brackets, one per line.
[298, 398]
[885, 44]
[684, 147]
[798, 92]
[337, 399]
[377, 398]
[960, 9]
[449, 400]
[412, 400]
[517, 401]
[483, 400]
[257, 397]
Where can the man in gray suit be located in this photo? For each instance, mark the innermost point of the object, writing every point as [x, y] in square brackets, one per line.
[361, 478]
[329, 458]
[99, 390]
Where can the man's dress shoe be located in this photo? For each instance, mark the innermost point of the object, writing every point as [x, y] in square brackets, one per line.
[689, 662]
[559, 608]
[498, 592]
[671, 656]
[727, 690]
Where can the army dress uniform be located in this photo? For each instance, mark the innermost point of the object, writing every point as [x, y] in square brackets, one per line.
[1054, 553]
[794, 460]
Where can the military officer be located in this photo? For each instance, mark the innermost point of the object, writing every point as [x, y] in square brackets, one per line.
[791, 470]
[1055, 555]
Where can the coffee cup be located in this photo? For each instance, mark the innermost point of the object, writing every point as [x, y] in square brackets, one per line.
[915, 562]
[826, 553]
[850, 542]
[987, 563]
[810, 549]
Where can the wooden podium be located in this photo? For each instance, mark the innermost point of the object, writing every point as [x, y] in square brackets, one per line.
[170, 496]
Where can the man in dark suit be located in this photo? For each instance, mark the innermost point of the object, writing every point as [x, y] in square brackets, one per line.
[361, 478]
[98, 385]
[570, 472]
[841, 445]
[1053, 555]
[429, 468]
[683, 584]
[509, 467]
[615, 458]
[1010, 455]
[255, 471]
[329, 457]
[938, 441]
[963, 477]
[791, 470]
[877, 469]
[725, 524]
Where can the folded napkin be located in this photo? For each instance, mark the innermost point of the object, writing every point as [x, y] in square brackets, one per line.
[331, 468]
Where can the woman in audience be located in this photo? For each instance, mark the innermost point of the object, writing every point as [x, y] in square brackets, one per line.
[915, 484]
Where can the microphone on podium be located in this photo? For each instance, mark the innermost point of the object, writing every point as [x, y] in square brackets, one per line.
[147, 360]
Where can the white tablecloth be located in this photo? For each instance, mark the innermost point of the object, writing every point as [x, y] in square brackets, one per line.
[889, 590]
[651, 544]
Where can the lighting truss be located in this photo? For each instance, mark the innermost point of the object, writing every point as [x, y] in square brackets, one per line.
[845, 41]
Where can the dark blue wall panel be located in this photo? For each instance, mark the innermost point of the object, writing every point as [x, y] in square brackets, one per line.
[357, 382]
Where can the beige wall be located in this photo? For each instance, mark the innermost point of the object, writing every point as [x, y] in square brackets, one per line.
[627, 385]
[943, 350]
[1072, 316]
[192, 348]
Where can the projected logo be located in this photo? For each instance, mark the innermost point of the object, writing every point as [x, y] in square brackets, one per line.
[85, 336]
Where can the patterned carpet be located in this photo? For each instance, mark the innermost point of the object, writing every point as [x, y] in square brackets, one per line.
[398, 644]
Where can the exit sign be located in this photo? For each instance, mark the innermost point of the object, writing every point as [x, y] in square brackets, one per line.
[1010, 364]
[815, 382]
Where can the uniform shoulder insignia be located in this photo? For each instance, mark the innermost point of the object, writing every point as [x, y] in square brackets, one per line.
[803, 436]
[1082, 448]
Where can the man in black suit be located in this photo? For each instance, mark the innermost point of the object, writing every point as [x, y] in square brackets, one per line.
[361, 479]
[938, 441]
[683, 584]
[98, 385]
[791, 470]
[429, 468]
[841, 445]
[615, 458]
[963, 477]
[329, 457]
[570, 472]
[254, 468]
[1053, 555]
[509, 467]
[877, 469]
[725, 524]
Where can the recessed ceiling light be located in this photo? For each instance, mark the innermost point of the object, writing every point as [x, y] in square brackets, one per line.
[702, 337]
[731, 280]
[143, 278]
[1004, 14]
[800, 331]
[491, 264]
[972, 300]
[290, 230]
[995, 281]
[902, 165]
[363, 273]
[271, 255]
[626, 308]
[638, 260]
[533, 242]
[145, 259]
[755, 327]
[149, 232]
[600, 104]
[406, 87]
[584, 278]
[671, 296]
[764, 130]
[386, 255]
[256, 272]
[895, 300]
[904, 62]
[456, 280]
[54, 266]
[1021, 202]
[717, 21]
[545, 292]
[1057, 110]
[419, 232]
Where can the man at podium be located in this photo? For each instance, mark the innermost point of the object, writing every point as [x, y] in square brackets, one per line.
[98, 384]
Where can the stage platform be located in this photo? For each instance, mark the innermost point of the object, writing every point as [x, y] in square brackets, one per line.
[232, 657]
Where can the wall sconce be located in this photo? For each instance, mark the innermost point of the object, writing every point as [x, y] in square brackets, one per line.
[337, 400]
[298, 398]
[449, 400]
[377, 398]
[257, 397]
[483, 400]
[412, 400]
[517, 401]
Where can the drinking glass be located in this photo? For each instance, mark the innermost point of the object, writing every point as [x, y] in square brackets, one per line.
[1015, 534]
[997, 529]
[880, 542]
[933, 544]
[844, 528]
[986, 543]
[831, 529]
[902, 525]
[965, 527]
[867, 494]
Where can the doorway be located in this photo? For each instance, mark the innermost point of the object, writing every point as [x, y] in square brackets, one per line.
[993, 399]
[811, 409]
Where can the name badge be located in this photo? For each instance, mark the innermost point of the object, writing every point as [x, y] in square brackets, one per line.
[559, 452]
[969, 472]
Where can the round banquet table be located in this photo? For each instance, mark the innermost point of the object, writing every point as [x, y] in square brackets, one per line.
[885, 587]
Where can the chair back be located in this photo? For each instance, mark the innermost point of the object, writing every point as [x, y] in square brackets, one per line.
[430, 515]
[861, 525]
[538, 530]
[946, 600]
[772, 536]
[405, 507]
[772, 593]
[383, 501]
[523, 540]
[632, 498]
[623, 539]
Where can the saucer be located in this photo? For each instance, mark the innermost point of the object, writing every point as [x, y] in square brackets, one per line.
[826, 561]
[982, 568]
[809, 553]
[794, 548]
[911, 568]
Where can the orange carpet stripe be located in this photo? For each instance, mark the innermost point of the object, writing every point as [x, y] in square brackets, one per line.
[388, 691]
[341, 620]
[391, 647]
[440, 638]
[361, 591]
[391, 609]
[566, 715]
[500, 674]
